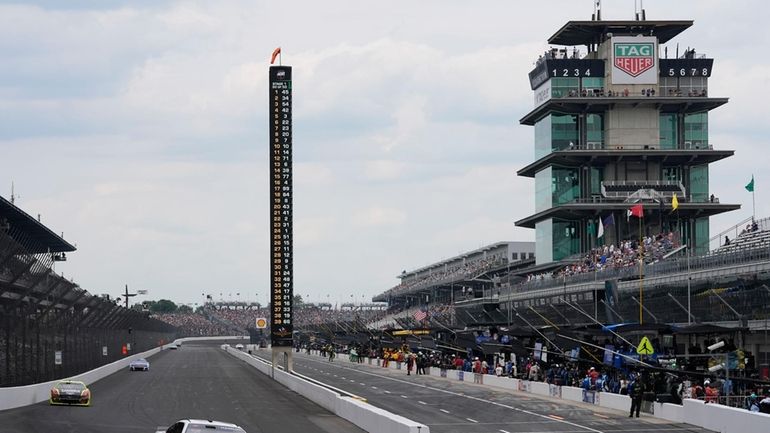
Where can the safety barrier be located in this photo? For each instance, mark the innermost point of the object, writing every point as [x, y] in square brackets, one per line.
[19, 396]
[719, 418]
[360, 413]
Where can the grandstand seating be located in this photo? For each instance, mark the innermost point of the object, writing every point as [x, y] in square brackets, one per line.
[744, 241]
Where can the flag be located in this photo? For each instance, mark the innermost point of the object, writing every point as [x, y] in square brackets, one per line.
[601, 228]
[750, 186]
[674, 203]
[609, 221]
[637, 211]
[276, 52]
[420, 315]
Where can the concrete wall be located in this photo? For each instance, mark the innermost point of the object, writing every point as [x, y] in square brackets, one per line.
[360, 413]
[714, 417]
[19, 396]
[632, 126]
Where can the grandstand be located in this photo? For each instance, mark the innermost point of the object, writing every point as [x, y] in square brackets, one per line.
[52, 328]
[603, 147]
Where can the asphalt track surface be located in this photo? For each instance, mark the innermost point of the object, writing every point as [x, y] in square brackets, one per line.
[197, 381]
[447, 407]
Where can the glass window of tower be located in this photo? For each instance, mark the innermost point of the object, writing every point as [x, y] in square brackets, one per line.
[696, 131]
[543, 144]
[591, 83]
[561, 87]
[594, 130]
[597, 176]
[564, 131]
[668, 131]
[543, 189]
[701, 235]
[668, 86]
[699, 183]
[565, 239]
[672, 174]
[543, 240]
[565, 185]
[693, 86]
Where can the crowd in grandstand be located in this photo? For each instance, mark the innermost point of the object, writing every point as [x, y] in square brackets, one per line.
[224, 321]
[457, 271]
[193, 324]
[624, 255]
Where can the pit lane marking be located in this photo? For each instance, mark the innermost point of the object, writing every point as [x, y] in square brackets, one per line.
[528, 412]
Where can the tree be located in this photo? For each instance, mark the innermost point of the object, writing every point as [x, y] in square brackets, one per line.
[297, 301]
[184, 309]
[163, 306]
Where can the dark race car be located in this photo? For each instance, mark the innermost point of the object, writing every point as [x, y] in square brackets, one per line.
[139, 364]
[70, 392]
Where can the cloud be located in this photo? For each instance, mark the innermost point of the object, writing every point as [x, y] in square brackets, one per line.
[379, 216]
[140, 130]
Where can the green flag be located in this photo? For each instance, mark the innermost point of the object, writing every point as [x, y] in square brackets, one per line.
[750, 186]
[590, 228]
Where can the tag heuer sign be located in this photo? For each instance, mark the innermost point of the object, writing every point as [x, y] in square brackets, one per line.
[634, 60]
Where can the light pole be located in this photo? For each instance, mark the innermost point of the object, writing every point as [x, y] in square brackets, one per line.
[689, 280]
[127, 295]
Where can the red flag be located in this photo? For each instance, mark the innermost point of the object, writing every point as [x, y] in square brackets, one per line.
[637, 211]
[276, 52]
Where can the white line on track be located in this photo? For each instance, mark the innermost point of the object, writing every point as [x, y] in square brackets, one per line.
[403, 396]
[421, 402]
[504, 431]
[528, 412]
[374, 387]
[361, 383]
[444, 410]
[472, 420]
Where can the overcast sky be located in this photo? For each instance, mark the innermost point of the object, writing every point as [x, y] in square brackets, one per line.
[139, 130]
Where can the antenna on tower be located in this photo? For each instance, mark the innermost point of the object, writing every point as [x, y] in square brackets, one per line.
[597, 16]
[639, 12]
[13, 194]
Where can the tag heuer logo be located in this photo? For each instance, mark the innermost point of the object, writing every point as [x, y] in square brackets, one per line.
[634, 58]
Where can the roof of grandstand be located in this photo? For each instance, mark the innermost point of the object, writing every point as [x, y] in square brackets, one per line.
[462, 256]
[36, 237]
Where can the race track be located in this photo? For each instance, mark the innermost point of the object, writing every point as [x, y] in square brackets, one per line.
[197, 381]
[447, 407]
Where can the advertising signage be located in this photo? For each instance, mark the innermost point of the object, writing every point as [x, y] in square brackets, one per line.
[634, 60]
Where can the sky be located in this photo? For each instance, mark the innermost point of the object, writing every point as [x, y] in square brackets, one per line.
[139, 130]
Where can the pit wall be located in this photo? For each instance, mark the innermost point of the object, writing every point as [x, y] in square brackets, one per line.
[714, 417]
[357, 411]
[18, 396]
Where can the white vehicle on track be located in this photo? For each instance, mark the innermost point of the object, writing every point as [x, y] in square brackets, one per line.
[200, 426]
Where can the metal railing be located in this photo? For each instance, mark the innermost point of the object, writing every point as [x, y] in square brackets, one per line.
[593, 145]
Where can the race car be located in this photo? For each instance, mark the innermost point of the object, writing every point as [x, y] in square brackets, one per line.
[70, 392]
[239, 346]
[200, 426]
[139, 364]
